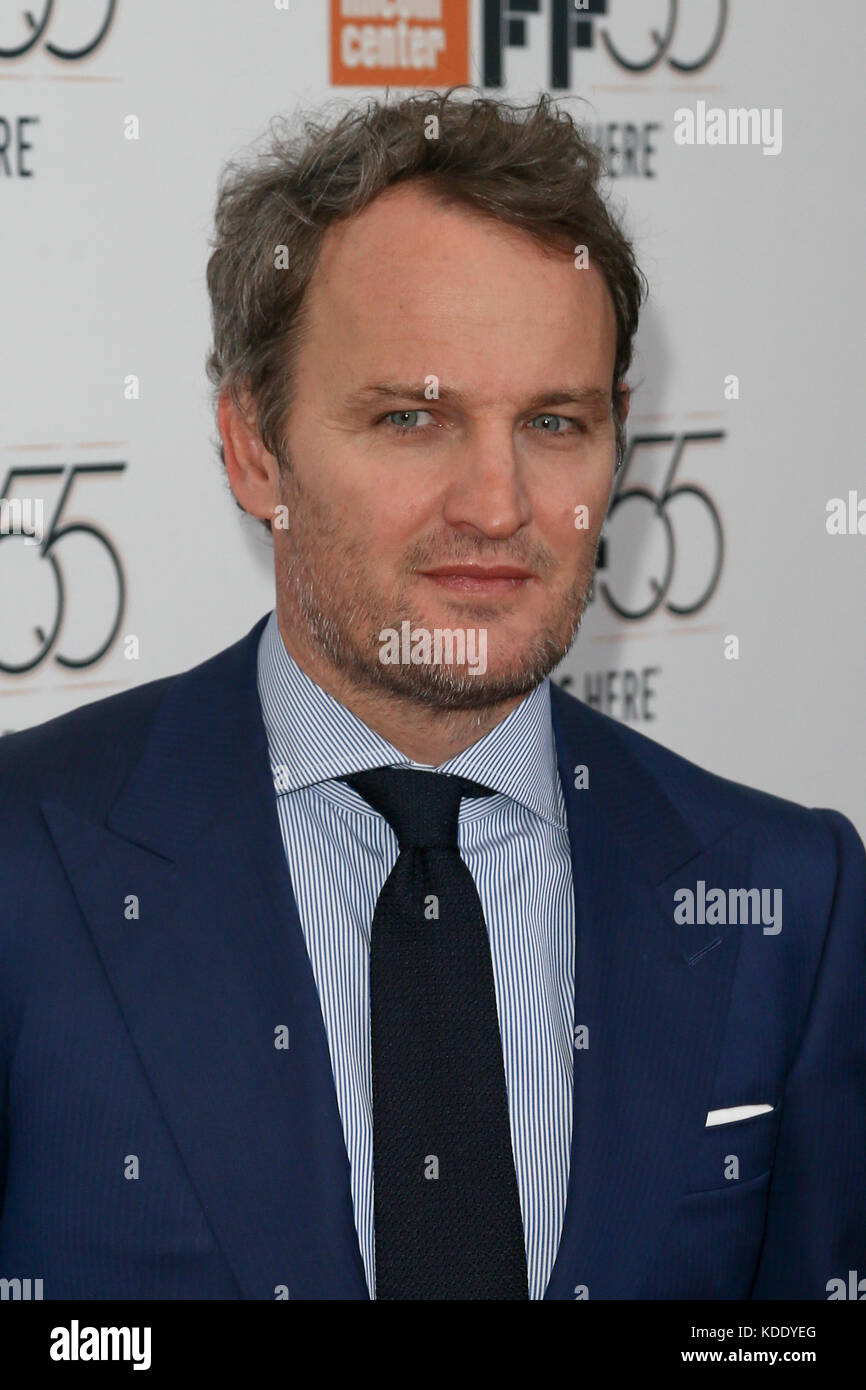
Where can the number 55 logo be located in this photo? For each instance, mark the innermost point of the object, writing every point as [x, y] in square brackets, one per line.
[38, 27]
[13, 594]
[625, 551]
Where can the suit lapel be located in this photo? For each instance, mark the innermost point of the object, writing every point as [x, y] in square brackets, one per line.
[212, 966]
[653, 996]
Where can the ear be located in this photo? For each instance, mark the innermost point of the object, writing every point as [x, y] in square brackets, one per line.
[252, 470]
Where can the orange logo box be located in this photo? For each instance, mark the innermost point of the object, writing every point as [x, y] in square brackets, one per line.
[399, 43]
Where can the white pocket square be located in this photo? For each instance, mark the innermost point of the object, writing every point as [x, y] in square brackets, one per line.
[735, 1112]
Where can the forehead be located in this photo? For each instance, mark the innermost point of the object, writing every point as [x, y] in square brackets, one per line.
[413, 283]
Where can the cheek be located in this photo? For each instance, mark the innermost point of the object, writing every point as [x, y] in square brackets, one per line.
[373, 490]
[571, 521]
[400, 505]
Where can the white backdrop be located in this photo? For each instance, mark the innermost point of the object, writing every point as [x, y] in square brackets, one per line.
[754, 263]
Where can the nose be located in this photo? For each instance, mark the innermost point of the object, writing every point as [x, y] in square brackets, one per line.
[488, 491]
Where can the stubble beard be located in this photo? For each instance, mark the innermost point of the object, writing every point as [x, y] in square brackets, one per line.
[325, 585]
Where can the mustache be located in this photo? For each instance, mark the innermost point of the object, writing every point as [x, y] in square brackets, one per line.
[536, 558]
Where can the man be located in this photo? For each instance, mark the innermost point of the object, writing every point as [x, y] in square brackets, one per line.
[361, 960]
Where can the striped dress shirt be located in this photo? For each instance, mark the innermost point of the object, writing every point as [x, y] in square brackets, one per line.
[515, 844]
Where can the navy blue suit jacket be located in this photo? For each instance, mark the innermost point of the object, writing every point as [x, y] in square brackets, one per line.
[156, 1144]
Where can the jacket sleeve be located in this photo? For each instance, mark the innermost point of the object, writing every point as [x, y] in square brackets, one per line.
[816, 1219]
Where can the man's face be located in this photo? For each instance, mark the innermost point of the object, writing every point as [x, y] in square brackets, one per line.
[429, 441]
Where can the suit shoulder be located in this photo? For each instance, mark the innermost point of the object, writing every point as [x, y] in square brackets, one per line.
[90, 746]
[84, 757]
[702, 797]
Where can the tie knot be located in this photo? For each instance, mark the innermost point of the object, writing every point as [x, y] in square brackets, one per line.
[422, 808]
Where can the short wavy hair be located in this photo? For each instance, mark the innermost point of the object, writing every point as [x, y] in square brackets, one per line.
[529, 166]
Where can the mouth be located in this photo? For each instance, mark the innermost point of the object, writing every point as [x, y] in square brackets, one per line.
[479, 579]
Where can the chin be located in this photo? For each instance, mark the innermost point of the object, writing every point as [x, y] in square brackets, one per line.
[502, 681]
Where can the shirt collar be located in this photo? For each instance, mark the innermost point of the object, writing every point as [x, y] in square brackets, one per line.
[313, 738]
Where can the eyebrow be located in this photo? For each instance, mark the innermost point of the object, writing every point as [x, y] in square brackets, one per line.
[594, 399]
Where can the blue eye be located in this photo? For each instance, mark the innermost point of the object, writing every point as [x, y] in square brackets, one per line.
[405, 420]
[567, 418]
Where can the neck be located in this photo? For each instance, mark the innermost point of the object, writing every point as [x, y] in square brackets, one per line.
[425, 734]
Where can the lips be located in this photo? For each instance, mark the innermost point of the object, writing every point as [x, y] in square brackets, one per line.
[480, 572]
[479, 579]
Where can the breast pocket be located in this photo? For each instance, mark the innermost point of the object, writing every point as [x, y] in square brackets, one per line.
[728, 1155]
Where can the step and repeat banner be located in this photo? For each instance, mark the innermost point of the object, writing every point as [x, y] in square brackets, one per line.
[727, 615]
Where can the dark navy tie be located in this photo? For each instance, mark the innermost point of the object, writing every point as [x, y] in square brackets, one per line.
[446, 1206]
